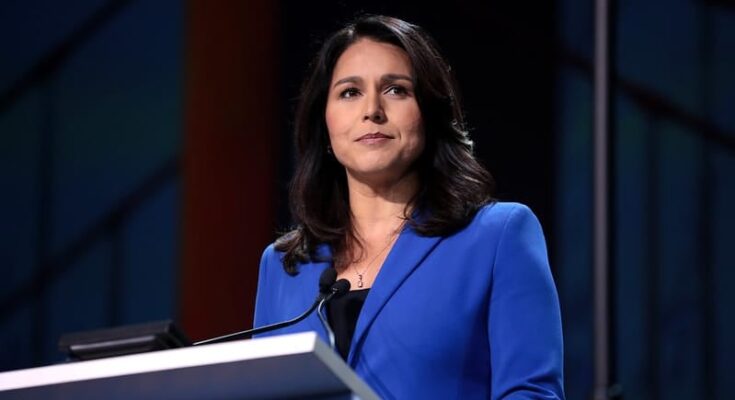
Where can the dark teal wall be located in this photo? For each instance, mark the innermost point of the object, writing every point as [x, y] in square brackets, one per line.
[76, 250]
[674, 190]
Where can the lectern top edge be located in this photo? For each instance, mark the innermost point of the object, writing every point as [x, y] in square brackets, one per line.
[283, 345]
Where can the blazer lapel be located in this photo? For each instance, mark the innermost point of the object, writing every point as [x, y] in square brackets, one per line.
[406, 255]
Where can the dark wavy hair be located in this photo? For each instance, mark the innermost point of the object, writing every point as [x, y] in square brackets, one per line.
[452, 183]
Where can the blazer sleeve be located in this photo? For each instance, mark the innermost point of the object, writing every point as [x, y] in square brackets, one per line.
[262, 304]
[524, 322]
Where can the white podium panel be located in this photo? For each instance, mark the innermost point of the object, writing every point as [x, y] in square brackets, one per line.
[288, 366]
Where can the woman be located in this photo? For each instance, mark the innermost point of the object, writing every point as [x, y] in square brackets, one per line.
[452, 296]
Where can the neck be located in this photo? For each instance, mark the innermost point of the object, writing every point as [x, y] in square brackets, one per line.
[378, 208]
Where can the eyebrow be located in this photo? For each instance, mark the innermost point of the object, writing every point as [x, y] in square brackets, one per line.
[385, 78]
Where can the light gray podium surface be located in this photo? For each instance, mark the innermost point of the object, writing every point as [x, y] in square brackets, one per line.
[288, 366]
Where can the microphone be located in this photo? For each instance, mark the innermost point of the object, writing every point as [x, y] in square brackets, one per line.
[328, 289]
[326, 280]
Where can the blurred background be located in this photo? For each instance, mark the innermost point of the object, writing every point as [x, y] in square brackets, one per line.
[145, 151]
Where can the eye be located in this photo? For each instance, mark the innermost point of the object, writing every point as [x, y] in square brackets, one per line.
[397, 90]
[349, 93]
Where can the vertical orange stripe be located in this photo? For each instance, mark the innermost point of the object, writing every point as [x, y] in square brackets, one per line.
[229, 160]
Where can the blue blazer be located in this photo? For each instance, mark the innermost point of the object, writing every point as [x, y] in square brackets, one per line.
[471, 315]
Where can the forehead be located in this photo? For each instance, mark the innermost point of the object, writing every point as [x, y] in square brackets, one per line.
[367, 57]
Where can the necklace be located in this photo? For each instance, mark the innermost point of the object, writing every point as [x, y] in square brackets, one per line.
[391, 239]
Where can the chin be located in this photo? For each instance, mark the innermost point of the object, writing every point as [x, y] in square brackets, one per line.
[378, 173]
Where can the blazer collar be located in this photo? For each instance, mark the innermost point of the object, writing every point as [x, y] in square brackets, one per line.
[407, 253]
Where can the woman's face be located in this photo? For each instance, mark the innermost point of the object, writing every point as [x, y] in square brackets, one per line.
[374, 122]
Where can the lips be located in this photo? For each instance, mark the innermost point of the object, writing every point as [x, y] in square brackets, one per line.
[373, 136]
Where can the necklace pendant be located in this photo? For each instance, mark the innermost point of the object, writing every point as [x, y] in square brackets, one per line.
[359, 280]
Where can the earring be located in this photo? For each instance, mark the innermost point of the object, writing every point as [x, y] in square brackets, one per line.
[329, 149]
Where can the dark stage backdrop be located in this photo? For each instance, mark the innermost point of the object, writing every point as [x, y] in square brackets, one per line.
[90, 192]
[674, 156]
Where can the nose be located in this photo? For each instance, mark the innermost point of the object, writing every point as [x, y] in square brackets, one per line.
[374, 109]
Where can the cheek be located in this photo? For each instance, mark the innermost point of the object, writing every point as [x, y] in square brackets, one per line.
[415, 127]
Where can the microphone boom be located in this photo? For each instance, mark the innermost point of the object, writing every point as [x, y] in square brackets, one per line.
[328, 289]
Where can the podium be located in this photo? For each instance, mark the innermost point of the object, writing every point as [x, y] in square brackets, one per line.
[288, 366]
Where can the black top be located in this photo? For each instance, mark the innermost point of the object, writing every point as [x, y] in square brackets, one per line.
[342, 314]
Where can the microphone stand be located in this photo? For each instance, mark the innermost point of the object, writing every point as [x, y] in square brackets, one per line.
[337, 289]
[250, 332]
[325, 322]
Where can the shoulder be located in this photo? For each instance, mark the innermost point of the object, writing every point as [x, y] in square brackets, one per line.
[272, 259]
[503, 216]
[498, 228]
[506, 228]
[520, 242]
[270, 256]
